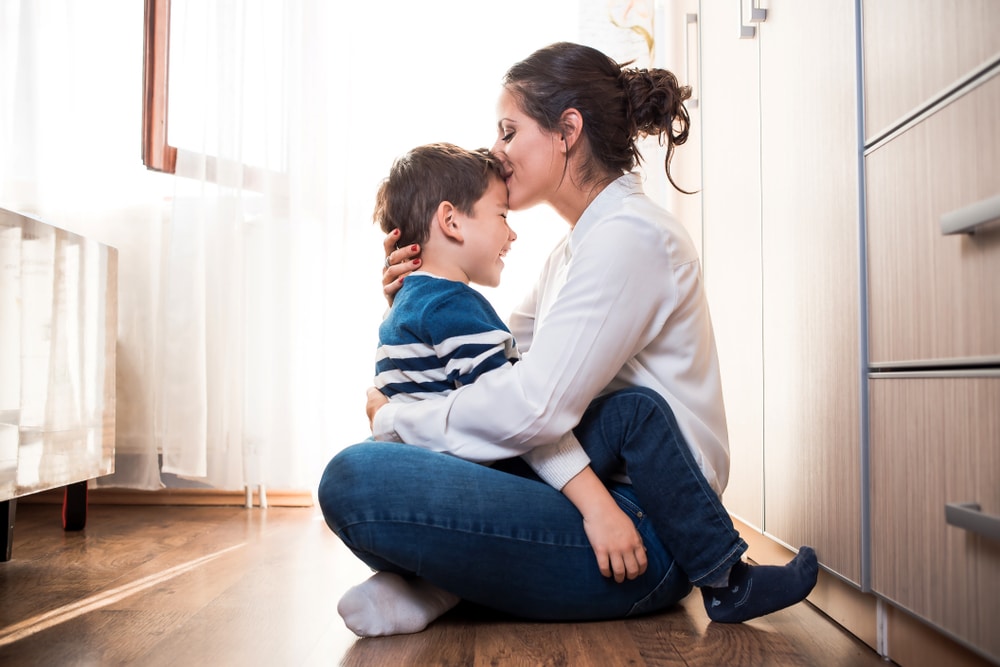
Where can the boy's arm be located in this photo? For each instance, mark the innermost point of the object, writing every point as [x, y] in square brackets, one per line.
[565, 465]
[616, 543]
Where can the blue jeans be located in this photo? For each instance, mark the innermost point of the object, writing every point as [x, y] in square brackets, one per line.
[500, 537]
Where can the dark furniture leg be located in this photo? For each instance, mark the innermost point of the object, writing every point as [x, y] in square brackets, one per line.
[74, 512]
[7, 509]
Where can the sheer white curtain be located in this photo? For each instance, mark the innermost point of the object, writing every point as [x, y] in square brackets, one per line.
[249, 282]
[70, 77]
[286, 117]
[254, 252]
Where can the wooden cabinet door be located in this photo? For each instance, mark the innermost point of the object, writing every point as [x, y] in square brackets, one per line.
[935, 440]
[916, 49]
[934, 299]
[730, 103]
[810, 249]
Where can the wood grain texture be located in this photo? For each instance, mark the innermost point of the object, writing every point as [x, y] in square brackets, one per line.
[934, 297]
[150, 585]
[915, 49]
[811, 281]
[934, 440]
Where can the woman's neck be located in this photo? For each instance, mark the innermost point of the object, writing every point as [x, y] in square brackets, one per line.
[571, 200]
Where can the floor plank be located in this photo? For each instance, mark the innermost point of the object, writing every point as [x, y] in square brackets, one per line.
[161, 585]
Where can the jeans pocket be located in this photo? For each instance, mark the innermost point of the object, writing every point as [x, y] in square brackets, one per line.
[626, 500]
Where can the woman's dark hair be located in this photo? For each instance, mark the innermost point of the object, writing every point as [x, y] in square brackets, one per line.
[419, 181]
[619, 104]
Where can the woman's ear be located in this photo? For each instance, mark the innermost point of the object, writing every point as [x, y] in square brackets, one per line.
[449, 222]
[571, 124]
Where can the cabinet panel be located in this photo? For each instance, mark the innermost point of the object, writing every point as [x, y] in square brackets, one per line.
[58, 325]
[731, 227]
[934, 297]
[811, 280]
[936, 440]
[915, 49]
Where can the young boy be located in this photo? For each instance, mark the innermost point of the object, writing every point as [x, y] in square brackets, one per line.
[441, 334]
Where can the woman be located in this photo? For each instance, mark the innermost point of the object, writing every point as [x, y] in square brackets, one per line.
[619, 311]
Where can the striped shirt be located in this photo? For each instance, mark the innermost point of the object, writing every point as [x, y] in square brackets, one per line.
[439, 335]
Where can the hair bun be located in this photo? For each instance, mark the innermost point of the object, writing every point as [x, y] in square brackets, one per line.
[656, 103]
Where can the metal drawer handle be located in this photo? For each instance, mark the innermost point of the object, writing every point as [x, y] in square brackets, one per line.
[690, 19]
[757, 15]
[965, 220]
[969, 516]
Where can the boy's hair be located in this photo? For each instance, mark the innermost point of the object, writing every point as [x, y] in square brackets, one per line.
[419, 181]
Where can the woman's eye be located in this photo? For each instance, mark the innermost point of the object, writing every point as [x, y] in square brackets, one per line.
[507, 137]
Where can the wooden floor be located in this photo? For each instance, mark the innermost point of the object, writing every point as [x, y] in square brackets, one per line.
[147, 585]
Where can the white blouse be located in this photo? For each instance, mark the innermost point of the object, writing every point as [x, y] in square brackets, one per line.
[620, 302]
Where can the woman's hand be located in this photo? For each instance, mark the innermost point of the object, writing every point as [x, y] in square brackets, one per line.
[398, 263]
[376, 400]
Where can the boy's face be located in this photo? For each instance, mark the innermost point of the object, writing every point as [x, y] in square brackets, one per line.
[487, 236]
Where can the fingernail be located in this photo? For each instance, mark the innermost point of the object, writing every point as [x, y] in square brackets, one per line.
[416, 262]
[414, 248]
[395, 232]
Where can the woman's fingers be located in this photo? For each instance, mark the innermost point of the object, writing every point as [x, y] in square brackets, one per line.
[390, 241]
[398, 263]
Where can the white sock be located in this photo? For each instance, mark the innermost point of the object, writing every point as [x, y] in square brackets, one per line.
[388, 604]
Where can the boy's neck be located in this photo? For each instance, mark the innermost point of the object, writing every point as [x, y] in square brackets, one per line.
[442, 269]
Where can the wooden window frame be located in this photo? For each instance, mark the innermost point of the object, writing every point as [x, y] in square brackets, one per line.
[157, 154]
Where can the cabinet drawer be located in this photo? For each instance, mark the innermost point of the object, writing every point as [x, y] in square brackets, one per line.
[916, 49]
[936, 440]
[935, 297]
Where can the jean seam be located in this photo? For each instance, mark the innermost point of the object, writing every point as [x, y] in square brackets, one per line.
[638, 609]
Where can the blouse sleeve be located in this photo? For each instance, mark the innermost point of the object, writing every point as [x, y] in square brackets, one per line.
[618, 293]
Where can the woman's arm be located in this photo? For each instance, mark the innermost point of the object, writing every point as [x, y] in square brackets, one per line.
[617, 295]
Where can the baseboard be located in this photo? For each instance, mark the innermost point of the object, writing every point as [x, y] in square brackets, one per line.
[208, 497]
[853, 610]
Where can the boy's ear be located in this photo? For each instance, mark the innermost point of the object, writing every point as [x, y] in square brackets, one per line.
[449, 222]
[571, 124]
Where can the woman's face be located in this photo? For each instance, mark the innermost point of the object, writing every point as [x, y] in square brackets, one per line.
[533, 156]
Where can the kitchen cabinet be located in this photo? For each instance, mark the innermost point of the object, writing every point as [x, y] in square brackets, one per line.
[731, 219]
[934, 314]
[782, 267]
